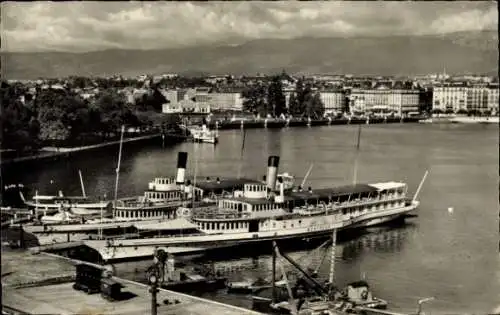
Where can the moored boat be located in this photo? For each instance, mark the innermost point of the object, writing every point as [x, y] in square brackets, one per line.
[203, 134]
[250, 286]
[50, 204]
[157, 212]
[258, 213]
[475, 120]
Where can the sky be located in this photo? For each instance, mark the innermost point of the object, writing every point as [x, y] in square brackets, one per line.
[90, 26]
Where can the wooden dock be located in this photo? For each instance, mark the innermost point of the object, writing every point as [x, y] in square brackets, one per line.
[39, 295]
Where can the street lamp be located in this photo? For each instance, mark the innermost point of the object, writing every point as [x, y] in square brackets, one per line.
[153, 282]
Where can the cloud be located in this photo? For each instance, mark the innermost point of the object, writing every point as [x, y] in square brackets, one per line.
[86, 26]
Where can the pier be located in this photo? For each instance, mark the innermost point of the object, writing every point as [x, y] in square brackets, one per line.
[47, 289]
[282, 123]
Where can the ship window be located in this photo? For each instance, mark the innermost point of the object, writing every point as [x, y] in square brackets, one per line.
[274, 224]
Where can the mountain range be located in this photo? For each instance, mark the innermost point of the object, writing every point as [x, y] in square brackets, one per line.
[457, 53]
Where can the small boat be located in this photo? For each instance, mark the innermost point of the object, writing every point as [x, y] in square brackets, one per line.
[475, 120]
[64, 216]
[203, 134]
[252, 286]
[48, 203]
[195, 282]
[200, 279]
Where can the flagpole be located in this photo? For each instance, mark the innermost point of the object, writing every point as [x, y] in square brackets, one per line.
[242, 150]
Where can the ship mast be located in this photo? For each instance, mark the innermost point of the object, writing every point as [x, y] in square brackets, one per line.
[195, 174]
[355, 172]
[242, 150]
[81, 183]
[117, 177]
[331, 277]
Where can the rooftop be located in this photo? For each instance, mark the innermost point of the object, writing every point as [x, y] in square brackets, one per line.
[224, 183]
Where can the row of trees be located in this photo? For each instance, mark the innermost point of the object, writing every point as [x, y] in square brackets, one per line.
[268, 99]
[54, 116]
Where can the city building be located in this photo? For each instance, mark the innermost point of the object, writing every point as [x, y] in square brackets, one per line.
[493, 91]
[288, 93]
[397, 99]
[187, 101]
[226, 100]
[200, 100]
[477, 98]
[334, 100]
[463, 97]
[449, 97]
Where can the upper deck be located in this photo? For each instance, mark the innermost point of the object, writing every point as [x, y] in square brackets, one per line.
[338, 193]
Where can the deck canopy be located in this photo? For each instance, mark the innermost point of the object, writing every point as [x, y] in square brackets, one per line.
[223, 184]
[339, 191]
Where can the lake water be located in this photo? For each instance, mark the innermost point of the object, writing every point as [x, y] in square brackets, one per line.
[452, 256]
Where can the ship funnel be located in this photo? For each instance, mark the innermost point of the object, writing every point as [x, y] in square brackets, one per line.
[281, 197]
[181, 167]
[272, 171]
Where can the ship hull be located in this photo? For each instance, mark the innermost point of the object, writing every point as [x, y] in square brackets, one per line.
[144, 248]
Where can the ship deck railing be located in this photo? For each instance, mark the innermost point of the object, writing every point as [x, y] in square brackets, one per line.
[299, 211]
[148, 203]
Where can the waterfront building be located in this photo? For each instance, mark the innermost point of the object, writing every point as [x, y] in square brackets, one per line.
[187, 101]
[288, 93]
[200, 100]
[397, 98]
[449, 97]
[459, 96]
[333, 99]
[493, 92]
[477, 98]
[226, 100]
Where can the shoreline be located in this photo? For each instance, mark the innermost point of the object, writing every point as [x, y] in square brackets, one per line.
[55, 153]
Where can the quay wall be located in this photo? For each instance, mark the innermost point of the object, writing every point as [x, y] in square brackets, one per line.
[263, 123]
[41, 290]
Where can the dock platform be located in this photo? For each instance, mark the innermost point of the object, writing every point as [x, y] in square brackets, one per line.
[41, 284]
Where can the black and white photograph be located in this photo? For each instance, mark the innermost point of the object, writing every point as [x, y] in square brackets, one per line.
[250, 157]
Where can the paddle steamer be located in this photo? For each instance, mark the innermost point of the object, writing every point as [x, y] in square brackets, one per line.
[260, 213]
[160, 205]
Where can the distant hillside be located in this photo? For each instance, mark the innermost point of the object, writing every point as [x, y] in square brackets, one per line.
[465, 52]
